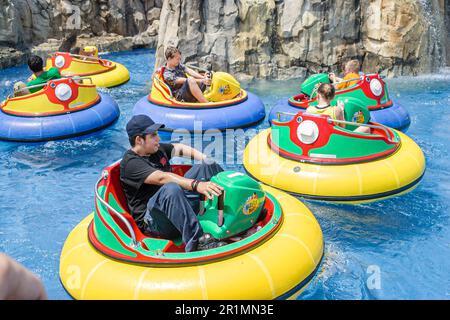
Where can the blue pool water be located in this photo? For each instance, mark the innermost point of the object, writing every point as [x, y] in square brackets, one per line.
[47, 188]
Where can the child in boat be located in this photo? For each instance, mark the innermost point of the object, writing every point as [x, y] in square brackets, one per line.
[326, 93]
[184, 88]
[36, 65]
[351, 71]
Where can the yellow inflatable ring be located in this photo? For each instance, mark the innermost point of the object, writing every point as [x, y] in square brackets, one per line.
[104, 73]
[390, 176]
[113, 78]
[280, 267]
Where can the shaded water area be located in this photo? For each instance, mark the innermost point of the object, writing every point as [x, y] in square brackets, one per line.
[47, 188]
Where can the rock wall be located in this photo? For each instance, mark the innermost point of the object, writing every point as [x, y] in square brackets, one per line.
[122, 24]
[283, 39]
[250, 38]
[34, 21]
[445, 8]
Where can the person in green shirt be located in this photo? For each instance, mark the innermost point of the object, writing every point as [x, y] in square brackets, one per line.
[36, 65]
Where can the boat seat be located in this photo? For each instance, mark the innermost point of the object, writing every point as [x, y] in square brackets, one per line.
[159, 73]
[151, 241]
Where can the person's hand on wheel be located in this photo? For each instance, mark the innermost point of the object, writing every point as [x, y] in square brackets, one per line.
[209, 189]
[206, 81]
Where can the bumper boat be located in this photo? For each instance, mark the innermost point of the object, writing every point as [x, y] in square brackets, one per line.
[312, 156]
[104, 73]
[229, 106]
[370, 89]
[64, 108]
[274, 247]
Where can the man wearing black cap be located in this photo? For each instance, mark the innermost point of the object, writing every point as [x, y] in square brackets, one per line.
[156, 196]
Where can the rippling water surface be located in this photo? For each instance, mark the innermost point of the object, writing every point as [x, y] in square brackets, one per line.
[47, 188]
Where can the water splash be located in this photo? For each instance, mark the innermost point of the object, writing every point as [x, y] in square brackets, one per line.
[432, 14]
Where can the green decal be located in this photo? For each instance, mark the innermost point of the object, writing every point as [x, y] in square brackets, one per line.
[342, 147]
[309, 86]
[281, 138]
[103, 234]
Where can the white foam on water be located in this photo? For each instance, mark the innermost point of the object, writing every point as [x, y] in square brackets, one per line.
[442, 74]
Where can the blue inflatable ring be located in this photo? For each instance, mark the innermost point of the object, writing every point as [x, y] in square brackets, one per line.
[44, 128]
[241, 115]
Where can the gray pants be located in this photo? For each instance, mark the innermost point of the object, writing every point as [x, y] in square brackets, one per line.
[170, 213]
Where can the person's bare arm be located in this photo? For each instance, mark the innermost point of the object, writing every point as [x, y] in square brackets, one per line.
[195, 74]
[207, 188]
[334, 78]
[182, 150]
[340, 112]
[160, 178]
[199, 78]
[199, 81]
[18, 283]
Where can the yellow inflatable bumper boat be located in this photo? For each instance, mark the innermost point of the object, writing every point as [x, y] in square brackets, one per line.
[312, 156]
[274, 248]
[104, 73]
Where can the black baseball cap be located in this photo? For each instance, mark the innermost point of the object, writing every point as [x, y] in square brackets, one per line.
[142, 125]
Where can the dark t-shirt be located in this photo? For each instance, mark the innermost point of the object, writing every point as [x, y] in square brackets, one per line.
[134, 169]
[171, 75]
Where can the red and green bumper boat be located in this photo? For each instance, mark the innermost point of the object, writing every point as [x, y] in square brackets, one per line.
[317, 157]
[371, 90]
[274, 247]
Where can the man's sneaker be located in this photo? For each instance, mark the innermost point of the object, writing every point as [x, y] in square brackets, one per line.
[211, 245]
[207, 241]
[205, 238]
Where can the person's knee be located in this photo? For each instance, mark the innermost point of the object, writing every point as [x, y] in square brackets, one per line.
[192, 83]
[207, 165]
[211, 165]
[172, 189]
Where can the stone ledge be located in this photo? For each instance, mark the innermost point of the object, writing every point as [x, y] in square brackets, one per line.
[10, 57]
